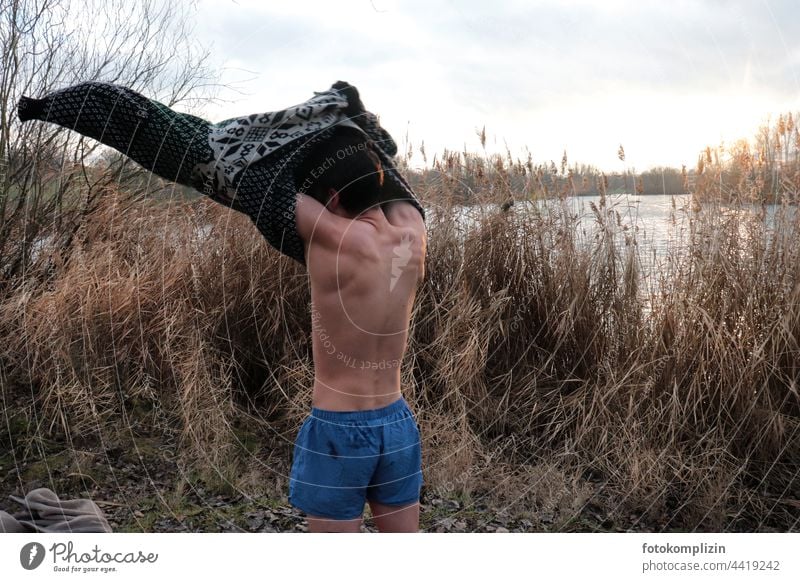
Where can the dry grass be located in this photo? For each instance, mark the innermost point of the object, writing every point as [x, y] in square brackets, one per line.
[546, 377]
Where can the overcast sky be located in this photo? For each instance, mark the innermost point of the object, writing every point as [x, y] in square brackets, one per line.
[662, 78]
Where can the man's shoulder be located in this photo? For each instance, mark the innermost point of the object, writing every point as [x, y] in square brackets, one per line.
[403, 213]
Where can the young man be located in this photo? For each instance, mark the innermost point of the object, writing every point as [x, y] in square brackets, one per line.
[365, 258]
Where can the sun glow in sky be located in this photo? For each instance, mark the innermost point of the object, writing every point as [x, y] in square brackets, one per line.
[664, 79]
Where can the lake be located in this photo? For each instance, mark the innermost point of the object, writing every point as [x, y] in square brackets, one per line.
[660, 223]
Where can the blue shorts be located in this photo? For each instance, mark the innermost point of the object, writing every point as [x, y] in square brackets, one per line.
[342, 459]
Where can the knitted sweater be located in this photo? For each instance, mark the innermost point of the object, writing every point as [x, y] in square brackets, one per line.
[246, 163]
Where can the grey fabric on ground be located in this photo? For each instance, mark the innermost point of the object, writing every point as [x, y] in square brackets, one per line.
[9, 524]
[42, 511]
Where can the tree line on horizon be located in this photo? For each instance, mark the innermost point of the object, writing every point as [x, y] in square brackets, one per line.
[765, 169]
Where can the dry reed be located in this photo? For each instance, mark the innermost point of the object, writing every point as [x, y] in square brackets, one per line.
[546, 377]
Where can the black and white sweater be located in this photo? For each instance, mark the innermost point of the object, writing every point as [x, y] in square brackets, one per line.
[246, 163]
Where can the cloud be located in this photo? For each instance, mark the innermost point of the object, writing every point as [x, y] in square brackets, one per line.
[443, 65]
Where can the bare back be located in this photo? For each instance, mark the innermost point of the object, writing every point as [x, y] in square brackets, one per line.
[364, 274]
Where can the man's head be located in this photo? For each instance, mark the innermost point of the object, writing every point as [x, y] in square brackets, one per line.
[344, 173]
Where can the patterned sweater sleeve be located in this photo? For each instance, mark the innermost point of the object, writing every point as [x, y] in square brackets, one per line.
[166, 142]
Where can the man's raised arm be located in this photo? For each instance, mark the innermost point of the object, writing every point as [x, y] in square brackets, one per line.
[314, 221]
[402, 213]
